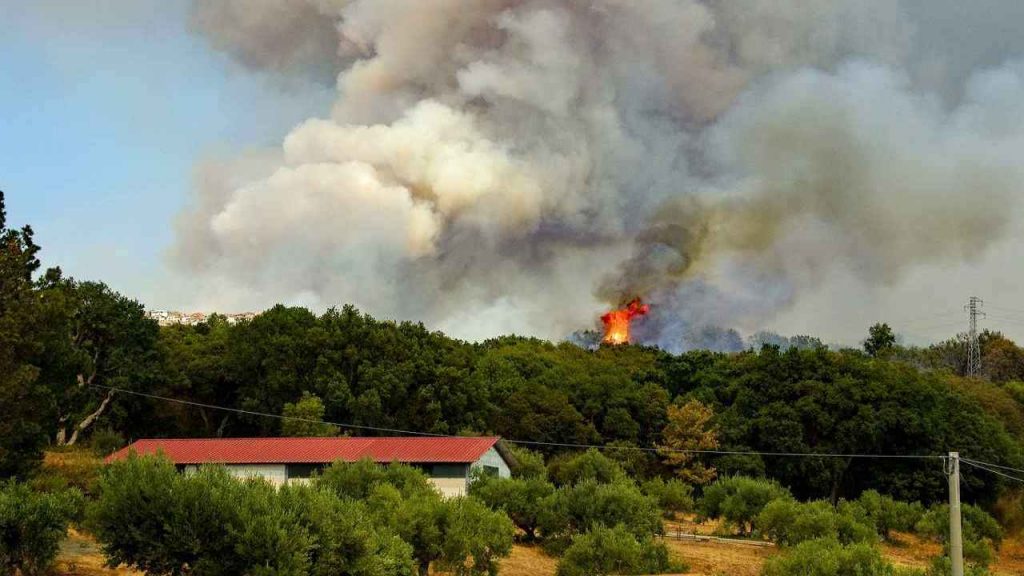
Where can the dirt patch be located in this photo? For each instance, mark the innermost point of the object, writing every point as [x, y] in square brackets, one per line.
[528, 561]
[80, 555]
[710, 558]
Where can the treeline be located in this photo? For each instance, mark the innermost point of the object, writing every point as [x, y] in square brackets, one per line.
[65, 346]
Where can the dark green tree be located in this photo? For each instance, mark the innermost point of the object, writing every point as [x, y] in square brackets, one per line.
[25, 402]
[881, 340]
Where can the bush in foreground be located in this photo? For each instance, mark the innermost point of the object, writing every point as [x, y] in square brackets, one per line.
[572, 510]
[151, 517]
[32, 526]
[827, 557]
[605, 551]
[789, 522]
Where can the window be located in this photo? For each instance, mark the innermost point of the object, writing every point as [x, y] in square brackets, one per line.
[304, 470]
[448, 471]
[490, 470]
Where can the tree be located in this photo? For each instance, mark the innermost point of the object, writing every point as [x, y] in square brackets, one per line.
[605, 551]
[829, 558]
[521, 498]
[673, 496]
[578, 508]
[880, 340]
[788, 522]
[567, 470]
[739, 500]
[153, 518]
[689, 429]
[98, 340]
[25, 402]
[475, 539]
[305, 418]
[32, 526]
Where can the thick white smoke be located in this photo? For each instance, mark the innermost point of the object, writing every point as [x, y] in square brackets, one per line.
[520, 165]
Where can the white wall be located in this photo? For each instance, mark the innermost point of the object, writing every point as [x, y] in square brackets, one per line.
[276, 474]
[492, 458]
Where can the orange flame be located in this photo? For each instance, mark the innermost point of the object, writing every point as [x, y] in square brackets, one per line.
[616, 322]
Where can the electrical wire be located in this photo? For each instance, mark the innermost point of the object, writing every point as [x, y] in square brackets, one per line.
[521, 442]
[993, 471]
[972, 461]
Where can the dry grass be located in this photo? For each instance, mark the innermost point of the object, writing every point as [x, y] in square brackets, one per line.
[81, 556]
[528, 561]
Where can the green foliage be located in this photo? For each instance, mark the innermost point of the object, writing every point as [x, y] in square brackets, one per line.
[739, 500]
[521, 498]
[208, 523]
[22, 338]
[358, 480]
[828, 557]
[474, 539]
[789, 522]
[881, 340]
[606, 551]
[306, 418]
[527, 463]
[578, 508]
[884, 513]
[32, 526]
[590, 465]
[943, 566]
[981, 532]
[672, 495]
[106, 441]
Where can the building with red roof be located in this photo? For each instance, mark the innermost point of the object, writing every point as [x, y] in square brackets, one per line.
[447, 460]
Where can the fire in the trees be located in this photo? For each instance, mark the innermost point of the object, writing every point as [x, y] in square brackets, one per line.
[616, 322]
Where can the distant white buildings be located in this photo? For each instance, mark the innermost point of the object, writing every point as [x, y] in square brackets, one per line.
[175, 318]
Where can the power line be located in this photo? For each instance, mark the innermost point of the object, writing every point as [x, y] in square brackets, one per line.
[523, 442]
[993, 471]
[263, 414]
[992, 465]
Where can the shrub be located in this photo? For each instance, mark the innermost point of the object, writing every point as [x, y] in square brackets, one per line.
[616, 550]
[788, 522]
[738, 500]
[527, 463]
[672, 495]
[590, 465]
[356, 480]
[344, 537]
[981, 532]
[521, 498]
[576, 509]
[32, 526]
[151, 517]
[884, 513]
[105, 441]
[828, 557]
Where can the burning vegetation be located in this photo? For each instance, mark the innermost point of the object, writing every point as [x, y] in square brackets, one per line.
[616, 323]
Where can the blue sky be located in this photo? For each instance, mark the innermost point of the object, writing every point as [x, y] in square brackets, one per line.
[107, 107]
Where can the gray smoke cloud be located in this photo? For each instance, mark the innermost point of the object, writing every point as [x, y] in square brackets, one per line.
[494, 166]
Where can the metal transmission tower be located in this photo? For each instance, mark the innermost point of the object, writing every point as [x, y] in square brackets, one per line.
[973, 308]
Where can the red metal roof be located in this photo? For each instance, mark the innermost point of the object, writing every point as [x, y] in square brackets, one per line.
[313, 450]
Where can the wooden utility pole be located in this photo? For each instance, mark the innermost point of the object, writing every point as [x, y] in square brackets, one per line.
[956, 543]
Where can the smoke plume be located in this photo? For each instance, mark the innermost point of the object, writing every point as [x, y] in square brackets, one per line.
[492, 166]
